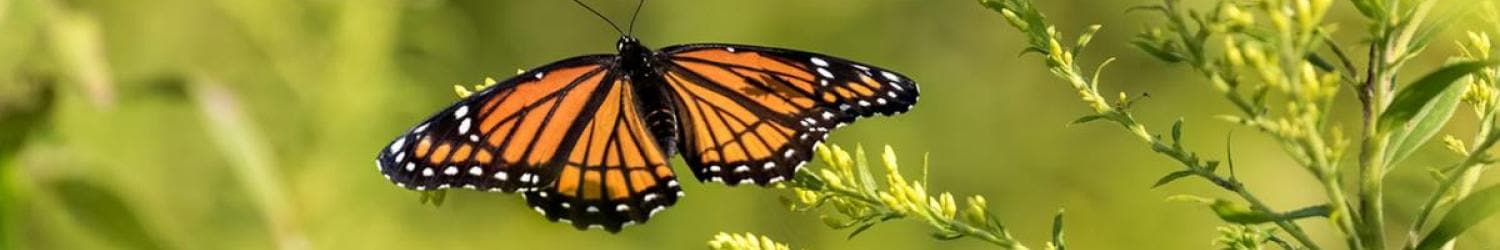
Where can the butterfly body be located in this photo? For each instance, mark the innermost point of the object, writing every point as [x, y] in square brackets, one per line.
[587, 139]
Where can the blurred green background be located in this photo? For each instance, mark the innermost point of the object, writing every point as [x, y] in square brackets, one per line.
[239, 124]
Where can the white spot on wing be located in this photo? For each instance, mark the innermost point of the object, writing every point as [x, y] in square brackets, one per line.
[824, 72]
[461, 112]
[890, 76]
[502, 176]
[770, 165]
[819, 61]
[654, 211]
[476, 171]
[742, 169]
[396, 146]
[411, 167]
[426, 171]
[463, 127]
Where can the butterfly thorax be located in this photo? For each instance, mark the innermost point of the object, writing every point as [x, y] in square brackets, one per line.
[638, 62]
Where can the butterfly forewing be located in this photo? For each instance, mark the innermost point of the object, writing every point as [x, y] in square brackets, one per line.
[568, 135]
[500, 139]
[753, 114]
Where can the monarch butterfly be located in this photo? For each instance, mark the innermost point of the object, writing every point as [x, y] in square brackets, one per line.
[586, 140]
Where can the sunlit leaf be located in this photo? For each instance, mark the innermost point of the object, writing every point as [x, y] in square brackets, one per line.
[1465, 214]
[1057, 232]
[1172, 177]
[1425, 125]
[1416, 97]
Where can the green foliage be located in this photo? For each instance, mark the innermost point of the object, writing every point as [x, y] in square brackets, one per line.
[1423, 94]
[1277, 50]
[1462, 216]
[103, 211]
[1242, 237]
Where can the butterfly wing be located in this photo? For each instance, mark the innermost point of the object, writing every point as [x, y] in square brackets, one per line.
[565, 134]
[754, 114]
[616, 174]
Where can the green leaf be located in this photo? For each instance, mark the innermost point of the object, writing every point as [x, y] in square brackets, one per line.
[861, 229]
[1425, 125]
[1057, 231]
[1157, 51]
[1177, 131]
[16, 127]
[947, 236]
[1412, 99]
[1371, 9]
[1172, 177]
[1465, 214]
[103, 212]
[1239, 213]
[1086, 119]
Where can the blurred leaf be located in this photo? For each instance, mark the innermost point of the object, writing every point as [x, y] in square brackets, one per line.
[1085, 119]
[1239, 213]
[103, 212]
[1416, 97]
[1157, 51]
[1371, 9]
[1427, 123]
[1465, 214]
[1172, 177]
[1177, 131]
[1057, 231]
[17, 126]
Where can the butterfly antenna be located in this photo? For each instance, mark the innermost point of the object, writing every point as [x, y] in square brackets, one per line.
[638, 5]
[601, 16]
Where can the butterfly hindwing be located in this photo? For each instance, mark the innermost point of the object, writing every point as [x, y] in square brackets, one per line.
[615, 174]
[754, 114]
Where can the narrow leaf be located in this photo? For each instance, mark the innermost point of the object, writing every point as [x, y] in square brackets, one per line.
[1156, 51]
[1240, 213]
[1177, 131]
[1412, 99]
[1464, 215]
[1172, 177]
[1424, 125]
[861, 229]
[1085, 119]
[1057, 231]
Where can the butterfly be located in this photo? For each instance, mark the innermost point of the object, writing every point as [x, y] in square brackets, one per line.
[586, 140]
